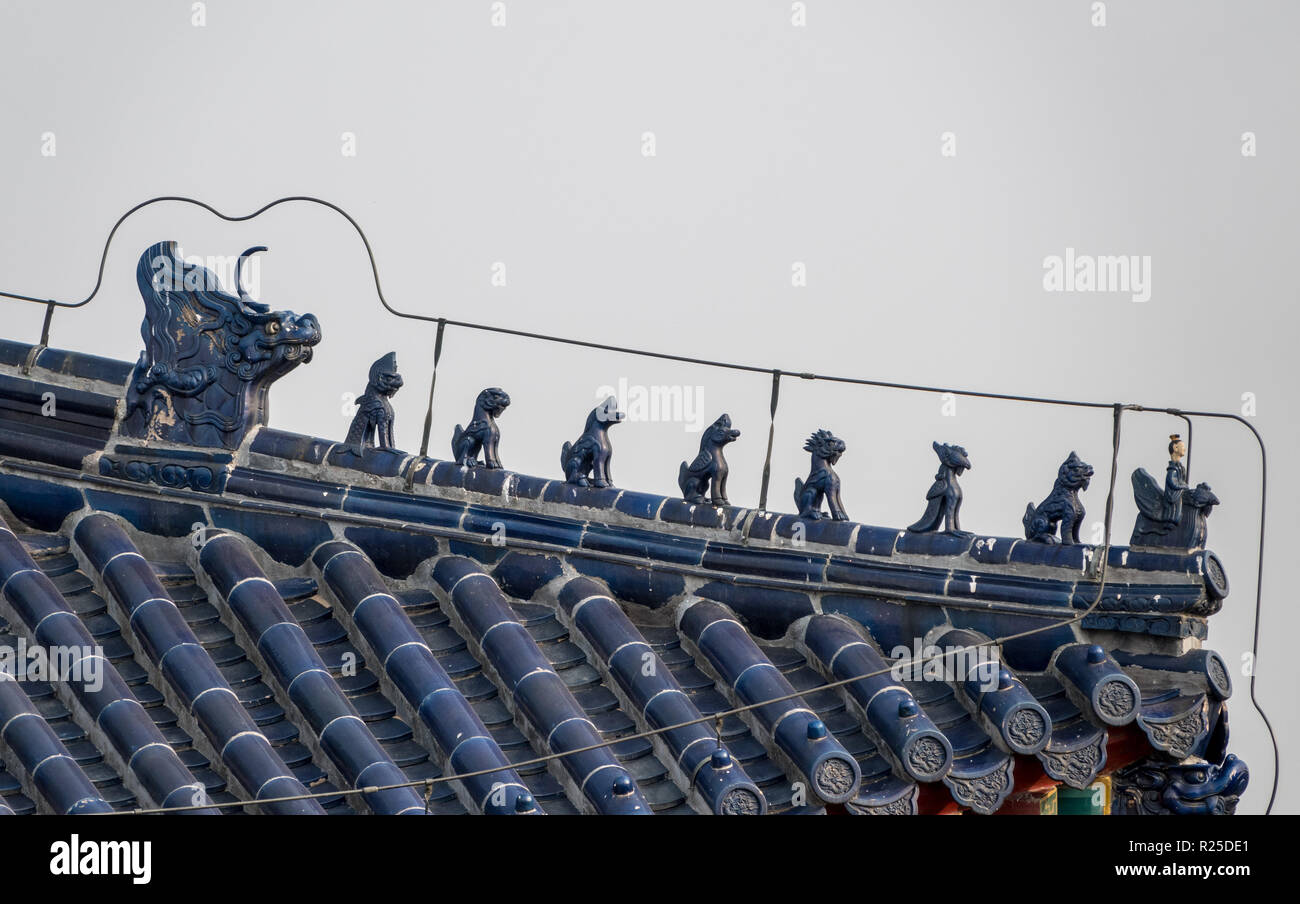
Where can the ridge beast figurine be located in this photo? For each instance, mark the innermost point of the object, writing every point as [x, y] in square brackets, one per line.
[482, 432]
[945, 494]
[209, 358]
[710, 466]
[590, 455]
[372, 425]
[1062, 506]
[822, 482]
[1177, 516]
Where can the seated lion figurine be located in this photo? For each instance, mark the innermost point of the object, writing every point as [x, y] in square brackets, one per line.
[482, 434]
[1062, 506]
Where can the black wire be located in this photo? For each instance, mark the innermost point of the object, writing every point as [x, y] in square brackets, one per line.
[771, 436]
[1259, 580]
[433, 383]
[526, 334]
[442, 322]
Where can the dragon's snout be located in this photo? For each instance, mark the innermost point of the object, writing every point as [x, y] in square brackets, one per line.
[1208, 788]
[304, 329]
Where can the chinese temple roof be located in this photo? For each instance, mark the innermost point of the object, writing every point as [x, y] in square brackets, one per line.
[310, 625]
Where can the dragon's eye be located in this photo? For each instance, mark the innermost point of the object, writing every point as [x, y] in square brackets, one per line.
[273, 326]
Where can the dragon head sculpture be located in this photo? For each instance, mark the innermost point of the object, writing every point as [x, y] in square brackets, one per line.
[209, 357]
[1203, 498]
[1153, 786]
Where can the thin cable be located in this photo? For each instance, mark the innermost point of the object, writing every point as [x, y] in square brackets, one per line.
[428, 414]
[526, 334]
[1259, 568]
[433, 384]
[1187, 459]
[771, 436]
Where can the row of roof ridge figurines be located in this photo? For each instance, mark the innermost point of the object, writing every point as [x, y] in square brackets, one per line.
[1175, 516]
[210, 358]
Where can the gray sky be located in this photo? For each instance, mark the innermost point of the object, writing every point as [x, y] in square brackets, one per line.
[774, 144]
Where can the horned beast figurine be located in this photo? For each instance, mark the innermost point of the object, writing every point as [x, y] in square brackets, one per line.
[710, 466]
[209, 357]
[944, 497]
[482, 432]
[372, 425]
[822, 482]
[590, 455]
[1062, 506]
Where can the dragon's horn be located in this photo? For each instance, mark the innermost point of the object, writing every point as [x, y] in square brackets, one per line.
[239, 265]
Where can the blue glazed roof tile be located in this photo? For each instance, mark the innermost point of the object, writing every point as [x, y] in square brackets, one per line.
[561, 649]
